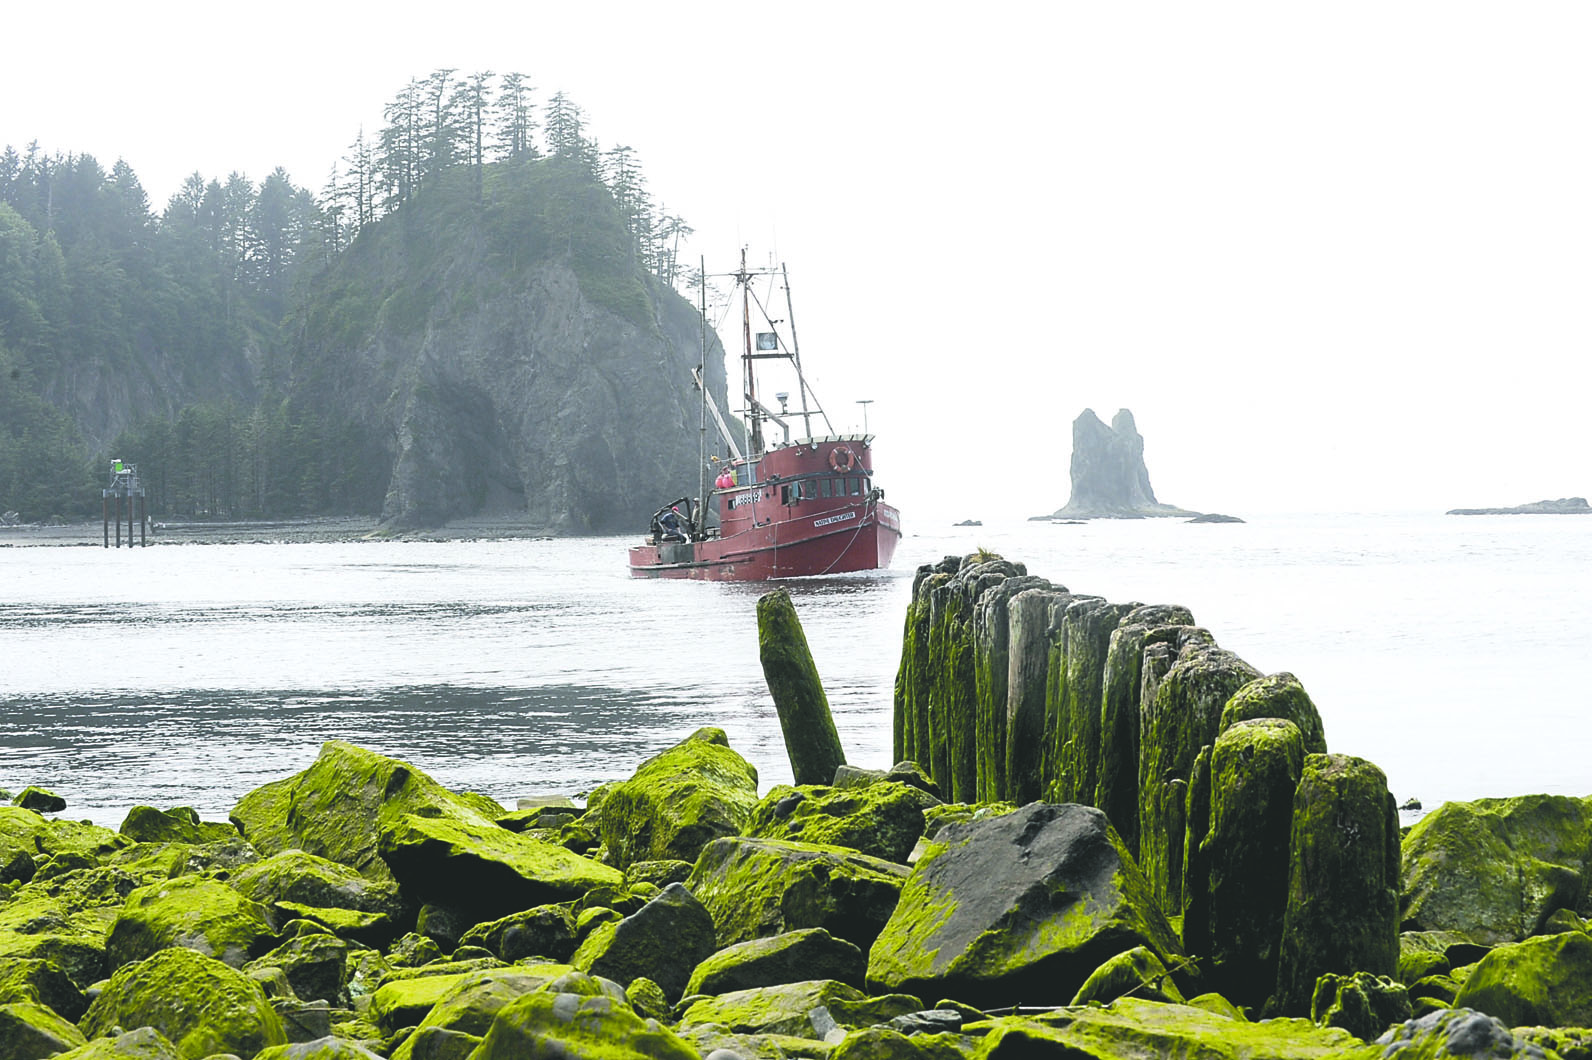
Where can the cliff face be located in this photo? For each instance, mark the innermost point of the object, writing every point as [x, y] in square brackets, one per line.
[1109, 478]
[502, 369]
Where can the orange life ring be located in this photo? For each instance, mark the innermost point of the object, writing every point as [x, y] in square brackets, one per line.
[842, 459]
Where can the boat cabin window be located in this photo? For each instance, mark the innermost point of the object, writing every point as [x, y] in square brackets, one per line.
[826, 487]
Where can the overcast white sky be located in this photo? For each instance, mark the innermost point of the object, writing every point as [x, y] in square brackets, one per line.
[1335, 257]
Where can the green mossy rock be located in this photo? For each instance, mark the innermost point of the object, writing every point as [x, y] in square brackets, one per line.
[678, 801]
[1424, 953]
[1181, 717]
[1363, 1004]
[60, 929]
[328, 1048]
[1277, 696]
[367, 929]
[308, 881]
[1255, 768]
[1131, 1029]
[881, 1043]
[882, 820]
[788, 958]
[546, 931]
[658, 873]
[758, 887]
[341, 805]
[30, 1031]
[1495, 869]
[662, 941]
[471, 1003]
[788, 1008]
[201, 1005]
[181, 824]
[1545, 980]
[405, 1002]
[485, 871]
[195, 912]
[1343, 882]
[145, 1043]
[562, 1024]
[809, 729]
[39, 800]
[1018, 909]
[315, 966]
[41, 982]
[1458, 1032]
[1137, 972]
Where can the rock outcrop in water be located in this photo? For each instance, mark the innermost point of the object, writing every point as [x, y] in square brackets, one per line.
[1109, 479]
[1562, 506]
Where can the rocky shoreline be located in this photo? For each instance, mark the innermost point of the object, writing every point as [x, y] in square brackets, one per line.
[962, 904]
[294, 531]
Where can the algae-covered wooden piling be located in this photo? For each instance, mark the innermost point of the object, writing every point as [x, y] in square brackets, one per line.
[804, 718]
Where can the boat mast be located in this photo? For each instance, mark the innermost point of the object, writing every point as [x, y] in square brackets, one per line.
[796, 356]
[754, 419]
[702, 385]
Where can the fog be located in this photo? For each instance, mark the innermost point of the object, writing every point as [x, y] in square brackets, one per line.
[1333, 257]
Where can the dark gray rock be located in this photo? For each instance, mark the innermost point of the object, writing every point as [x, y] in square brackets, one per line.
[1109, 479]
[792, 957]
[663, 941]
[1460, 1033]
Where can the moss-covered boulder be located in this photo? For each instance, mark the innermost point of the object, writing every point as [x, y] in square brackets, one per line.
[567, 1024]
[1363, 1004]
[1496, 869]
[41, 982]
[1130, 1028]
[181, 824]
[1457, 1033]
[316, 966]
[789, 1009]
[1254, 769]
[804, 718]
[201, 1005]
[795, 956]
[662, 941]
[678, 801]
[195, 912]
[145, 1043]
[39, 800]
[1545, 980]
[469, 1005]
[882, 820]
[295, 880]
[1343, 881]
[1137, 972]
[327, 1048]
[1018, 909]
[545, 931]
[68, 928]
[31, 1031]
[883, 1043]
[759, 887]
[1424, 953]
[341, 805]
[484, 871]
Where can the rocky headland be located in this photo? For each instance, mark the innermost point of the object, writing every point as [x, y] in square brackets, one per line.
[1562, 506]
[1105, 837]
[1109, 478]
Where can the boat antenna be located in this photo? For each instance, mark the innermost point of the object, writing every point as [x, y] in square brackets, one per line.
[796, 354]
[702, 385]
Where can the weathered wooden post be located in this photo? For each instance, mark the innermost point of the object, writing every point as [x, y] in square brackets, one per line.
[804, 718]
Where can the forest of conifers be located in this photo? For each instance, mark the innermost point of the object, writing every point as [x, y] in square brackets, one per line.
[102, 298]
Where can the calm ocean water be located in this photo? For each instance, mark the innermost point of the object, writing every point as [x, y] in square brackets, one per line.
[1448, 650]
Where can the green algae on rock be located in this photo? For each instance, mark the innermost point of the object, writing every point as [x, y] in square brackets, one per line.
[1277, 696]
[809, 729]
[567, 1024]
[1544, 980]
[327, 1048]
[662, 941]
[196, 912]
[29, 1029]
[546, 931]
[807, 953]
[201, 1005]
[1018, 909]
[883, 820]
[1363, 1004]
[42, 982]
[758, 887]
[472, 1001]
[1496, 869]
[787, 1008]
[678, 801]
[307, 880]
[145, 1043]
[181, 824]
[1343, 879]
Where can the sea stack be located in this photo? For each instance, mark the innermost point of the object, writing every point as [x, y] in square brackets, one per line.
[1109, 479]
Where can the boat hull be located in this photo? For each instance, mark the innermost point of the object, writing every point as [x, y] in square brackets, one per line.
[839, 541]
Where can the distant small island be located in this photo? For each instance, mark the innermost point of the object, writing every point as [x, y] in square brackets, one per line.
[1562, 506]
[1109, 478]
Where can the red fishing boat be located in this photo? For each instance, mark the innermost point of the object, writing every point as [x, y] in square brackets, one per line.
[781, 509]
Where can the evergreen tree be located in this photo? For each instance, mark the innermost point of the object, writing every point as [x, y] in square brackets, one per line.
[513, 124]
